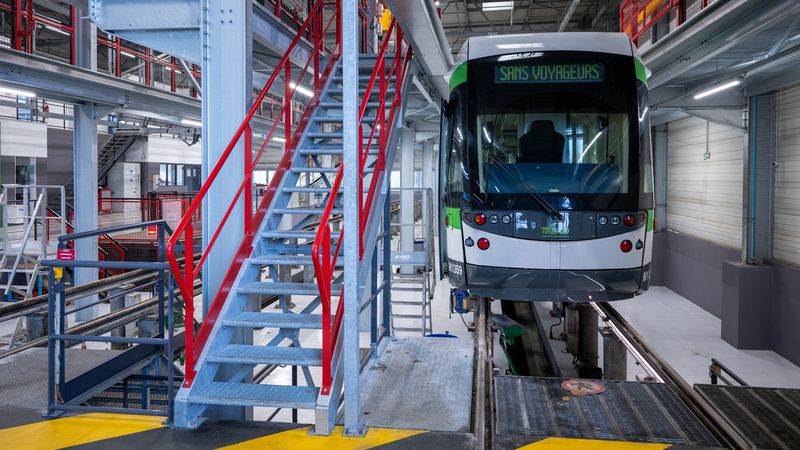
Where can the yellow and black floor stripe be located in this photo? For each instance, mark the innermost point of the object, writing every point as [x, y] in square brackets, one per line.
[119, 431]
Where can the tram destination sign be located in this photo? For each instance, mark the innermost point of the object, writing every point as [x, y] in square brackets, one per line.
[548, 73]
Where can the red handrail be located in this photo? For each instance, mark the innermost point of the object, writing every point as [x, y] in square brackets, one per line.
[638, 16]
[325, 261]
[316, 25]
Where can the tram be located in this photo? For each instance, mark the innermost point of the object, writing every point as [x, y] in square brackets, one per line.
[546, 169]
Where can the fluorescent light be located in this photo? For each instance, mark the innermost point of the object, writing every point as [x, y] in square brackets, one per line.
[193, 123]
[170, 69]
[16, 92]
[129, 55]
[497, 6]
[278, 139]
[300, 89]
[717, 88]
[56, 30]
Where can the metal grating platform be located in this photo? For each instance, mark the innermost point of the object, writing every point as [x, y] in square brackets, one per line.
[626, 411]
[764, 417]
[23, 377]
[420, 383]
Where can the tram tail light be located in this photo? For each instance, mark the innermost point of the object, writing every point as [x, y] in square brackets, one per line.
[625, 246]
[629, 220]
[480, 218]
[483, 243]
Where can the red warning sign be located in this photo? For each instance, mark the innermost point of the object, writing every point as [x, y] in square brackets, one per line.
[152, 230]
[583, 387]
[66, 254]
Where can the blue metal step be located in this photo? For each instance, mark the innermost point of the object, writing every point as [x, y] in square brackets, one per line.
[333, 135]
[288, 260]
[375, 90]
[309, 190]
[331, 170]
[333, 151]
[275, 320]
[278, 288]
[338, 104]
[339, 119]
[294, 235]
[304, 211]
[267, 395]
[258, 354]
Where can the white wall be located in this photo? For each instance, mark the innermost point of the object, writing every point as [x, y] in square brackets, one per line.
[704, 190]
[158, 149]
[786, 231]
[21, 138]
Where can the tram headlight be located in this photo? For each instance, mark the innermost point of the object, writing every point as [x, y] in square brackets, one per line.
[493, 218]
[480, 218]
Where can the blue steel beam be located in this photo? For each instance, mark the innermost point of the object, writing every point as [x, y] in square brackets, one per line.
[173, 26]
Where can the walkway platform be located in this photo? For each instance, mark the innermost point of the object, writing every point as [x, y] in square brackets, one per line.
[421, 383]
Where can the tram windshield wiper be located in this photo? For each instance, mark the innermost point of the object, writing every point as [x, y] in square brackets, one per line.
[551, 211]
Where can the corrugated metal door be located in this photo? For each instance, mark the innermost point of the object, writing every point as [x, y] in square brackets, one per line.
[704, 180]
[786, 229]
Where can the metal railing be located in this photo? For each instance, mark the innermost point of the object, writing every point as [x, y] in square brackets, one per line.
[718, 371]
[319, 23]
[67, 395]
[324, 260]
[636, 17]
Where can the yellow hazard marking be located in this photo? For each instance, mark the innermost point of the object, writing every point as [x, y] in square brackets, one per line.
[69, 431]
[300, 438]
[590, 444]
[58, 272]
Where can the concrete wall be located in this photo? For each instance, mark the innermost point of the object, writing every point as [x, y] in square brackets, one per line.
[758, 305]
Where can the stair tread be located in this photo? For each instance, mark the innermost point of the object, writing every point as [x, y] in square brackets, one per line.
[268, 395]
[281, 288]
[293, 235]
[260, 354]
[304, 211]
[275, 320]
[292, 260]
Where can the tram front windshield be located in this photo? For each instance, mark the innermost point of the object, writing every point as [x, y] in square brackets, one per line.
[556, 137]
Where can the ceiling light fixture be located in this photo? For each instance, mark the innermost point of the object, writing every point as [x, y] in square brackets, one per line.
[718, 88]
[301, 90]
[129, 55]
[497, 6]
[16, 92]
[192, 123]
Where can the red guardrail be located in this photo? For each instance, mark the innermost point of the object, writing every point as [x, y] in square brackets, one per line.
[325, 262]
[638, 16]
[318, 25]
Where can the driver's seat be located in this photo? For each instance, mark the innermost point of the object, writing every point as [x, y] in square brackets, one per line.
[541, 144]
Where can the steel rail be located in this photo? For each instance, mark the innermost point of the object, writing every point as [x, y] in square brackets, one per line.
[715, 423]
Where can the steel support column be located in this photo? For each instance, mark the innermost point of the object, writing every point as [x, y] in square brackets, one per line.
[660, 175]
[407, 195]
[227, 72]
[759, 172]
[350, 102]
[227, 94]
[84, 142]
[427, 174]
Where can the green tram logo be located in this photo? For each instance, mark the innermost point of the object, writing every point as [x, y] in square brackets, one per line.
[549, 73]
[556, 229]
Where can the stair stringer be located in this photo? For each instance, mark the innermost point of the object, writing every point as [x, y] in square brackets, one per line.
[328, 404]
[189, 415]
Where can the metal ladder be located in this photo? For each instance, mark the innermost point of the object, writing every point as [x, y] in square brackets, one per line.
[413, 315]
[22, 255]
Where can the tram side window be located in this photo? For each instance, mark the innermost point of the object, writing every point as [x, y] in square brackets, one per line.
[455, 145]
[561, 152]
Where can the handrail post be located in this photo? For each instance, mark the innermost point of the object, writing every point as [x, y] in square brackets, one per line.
[248, 191]
[287, 106]
[188, 262]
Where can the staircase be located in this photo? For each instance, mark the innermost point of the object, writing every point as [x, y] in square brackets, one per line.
[284, 236]
[110, 153]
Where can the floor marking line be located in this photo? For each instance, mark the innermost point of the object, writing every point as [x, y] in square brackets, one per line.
[590, 444]
[299, 438]
[70, 431]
